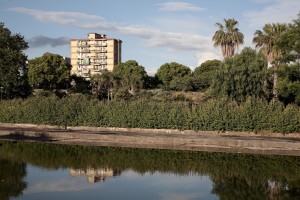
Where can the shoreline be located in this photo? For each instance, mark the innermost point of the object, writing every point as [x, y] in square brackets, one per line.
[264, 143]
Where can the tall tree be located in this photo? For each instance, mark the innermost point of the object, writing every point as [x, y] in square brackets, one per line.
[48, 71]
[103, 84]
[131, 75]
[170, 74]
[289, 43]
[289, 84]
[267, 39]
[240, 77]
[13, 67]
[205, 73]
[228, 37]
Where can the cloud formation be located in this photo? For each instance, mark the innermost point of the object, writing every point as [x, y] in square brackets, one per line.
[179, 6]
[150, 37]
[40, 41]
[277, 11]
[59, 185]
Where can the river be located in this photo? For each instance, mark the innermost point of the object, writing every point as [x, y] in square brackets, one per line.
[47, 171]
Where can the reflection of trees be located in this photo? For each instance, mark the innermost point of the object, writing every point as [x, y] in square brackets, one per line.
[235, 187]
[11, 178]
[234, 176]
[232, 188]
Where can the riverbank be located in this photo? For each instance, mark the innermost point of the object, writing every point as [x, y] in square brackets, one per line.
[235, 142]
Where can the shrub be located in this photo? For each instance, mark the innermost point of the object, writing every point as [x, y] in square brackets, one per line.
[79, 110]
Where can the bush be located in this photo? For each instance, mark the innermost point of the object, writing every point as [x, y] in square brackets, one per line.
[79, 110]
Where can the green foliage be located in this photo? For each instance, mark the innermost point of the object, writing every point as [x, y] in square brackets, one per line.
[267, 39]
[151, 82]
[217, 115]
[289, 84]
[174, 76]
[241, 77]
[205, 74]
[13, 68]
[48, 71]
[12, 174]
[103, 84]
[228, 37]
[288, 43]
[131, 75]
[181, 83]
[79, 85]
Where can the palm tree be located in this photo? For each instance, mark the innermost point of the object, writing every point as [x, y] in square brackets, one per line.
[228, 37]
[267, 39]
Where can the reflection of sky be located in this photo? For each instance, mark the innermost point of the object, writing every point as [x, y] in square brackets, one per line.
[58, 184]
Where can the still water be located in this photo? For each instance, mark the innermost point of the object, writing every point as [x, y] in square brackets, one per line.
[46, 171]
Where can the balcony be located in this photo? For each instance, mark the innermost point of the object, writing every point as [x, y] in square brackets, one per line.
[100, 44]
[98, 56]
[102, 62]
[100, 50]
[83, 50]
[82, 44]
[84, 61]
[96, 68]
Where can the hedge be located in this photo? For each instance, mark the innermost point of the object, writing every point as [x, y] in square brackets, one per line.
[215, 115]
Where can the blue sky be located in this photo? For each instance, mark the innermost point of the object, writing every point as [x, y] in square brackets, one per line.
[153, 32]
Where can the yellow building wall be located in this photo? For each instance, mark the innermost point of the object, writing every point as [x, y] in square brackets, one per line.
[91, 55]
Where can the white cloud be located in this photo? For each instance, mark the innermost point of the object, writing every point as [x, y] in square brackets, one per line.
[277, 11]
[208, 55]
[76, 19]
[200, 46]
[179, 6]
[175, 23]
[151, 37]
[62, 185]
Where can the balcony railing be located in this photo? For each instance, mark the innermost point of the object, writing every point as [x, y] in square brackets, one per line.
[99, 56]
[83, 44]
[83, 50]
[100, 44]
[101, 50]
[102, 62]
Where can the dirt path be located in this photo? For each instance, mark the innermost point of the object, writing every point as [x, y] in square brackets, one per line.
[237, 142]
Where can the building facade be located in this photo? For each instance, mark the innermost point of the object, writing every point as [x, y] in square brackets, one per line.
[91, 55]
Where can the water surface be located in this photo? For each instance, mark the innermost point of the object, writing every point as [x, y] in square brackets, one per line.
[47, 171]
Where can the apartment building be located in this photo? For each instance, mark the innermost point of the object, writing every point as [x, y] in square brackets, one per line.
[95, 53]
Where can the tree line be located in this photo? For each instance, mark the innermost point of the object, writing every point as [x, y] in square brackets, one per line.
[271, 73]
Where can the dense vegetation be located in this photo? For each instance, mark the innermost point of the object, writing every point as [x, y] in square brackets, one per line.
[78, 110]
[13, 69]
[234, 176]
[249, 91]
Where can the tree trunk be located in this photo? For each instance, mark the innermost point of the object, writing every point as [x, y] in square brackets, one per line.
[108, 94]
[275, 83]
[111, 94]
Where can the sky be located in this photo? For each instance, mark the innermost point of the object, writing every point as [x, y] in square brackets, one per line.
[153, 32]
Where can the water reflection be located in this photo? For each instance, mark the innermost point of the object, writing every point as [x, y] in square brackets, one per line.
[95, 175]
[156, 174]
[12, 174]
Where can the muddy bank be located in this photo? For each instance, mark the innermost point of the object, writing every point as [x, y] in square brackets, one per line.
[237, 142]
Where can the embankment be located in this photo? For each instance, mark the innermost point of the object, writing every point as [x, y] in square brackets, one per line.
[235, 142]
